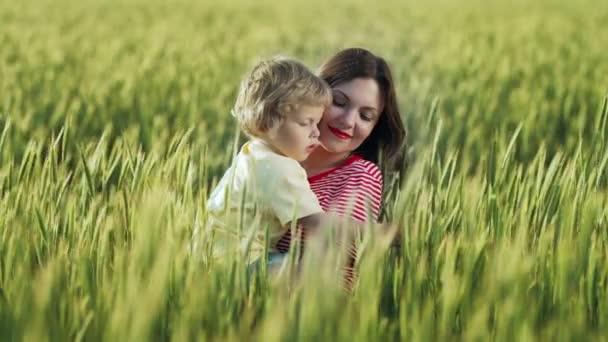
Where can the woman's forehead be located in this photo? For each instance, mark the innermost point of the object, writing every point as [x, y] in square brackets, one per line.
[364, 92]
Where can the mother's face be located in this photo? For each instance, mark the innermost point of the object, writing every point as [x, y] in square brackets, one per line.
[353, 114]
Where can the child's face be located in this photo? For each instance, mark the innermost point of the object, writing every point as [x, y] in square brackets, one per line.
[296, 136]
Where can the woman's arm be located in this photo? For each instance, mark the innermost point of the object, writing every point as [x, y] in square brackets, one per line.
[322, 226]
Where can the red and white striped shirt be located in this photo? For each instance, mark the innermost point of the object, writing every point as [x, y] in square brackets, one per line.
[352, 189]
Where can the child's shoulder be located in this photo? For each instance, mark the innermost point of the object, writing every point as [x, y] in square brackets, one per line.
[268, 163]
[261, 153]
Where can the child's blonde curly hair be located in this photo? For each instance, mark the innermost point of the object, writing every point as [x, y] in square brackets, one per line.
[274, 88]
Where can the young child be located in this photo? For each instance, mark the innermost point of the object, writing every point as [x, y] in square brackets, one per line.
[278, 107]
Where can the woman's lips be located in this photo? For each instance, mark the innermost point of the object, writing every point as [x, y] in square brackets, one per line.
[338, 133]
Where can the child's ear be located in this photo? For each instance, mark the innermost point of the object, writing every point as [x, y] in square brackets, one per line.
[270, 133]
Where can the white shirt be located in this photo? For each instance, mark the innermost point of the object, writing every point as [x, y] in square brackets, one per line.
[260, 193]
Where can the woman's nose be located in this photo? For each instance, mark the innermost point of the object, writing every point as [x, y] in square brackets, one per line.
[348, 118]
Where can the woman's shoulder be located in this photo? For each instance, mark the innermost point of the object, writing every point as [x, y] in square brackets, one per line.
[362, 169]
[368, 168]
[350, 188]
[353, 169]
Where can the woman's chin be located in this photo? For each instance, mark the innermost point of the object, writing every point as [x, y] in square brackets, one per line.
[333, 147]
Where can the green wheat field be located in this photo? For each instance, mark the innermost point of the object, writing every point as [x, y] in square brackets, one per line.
[115, 125]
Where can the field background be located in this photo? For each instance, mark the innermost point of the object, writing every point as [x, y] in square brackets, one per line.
[114, 123]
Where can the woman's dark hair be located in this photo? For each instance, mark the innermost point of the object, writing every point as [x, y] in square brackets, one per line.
[387, 141]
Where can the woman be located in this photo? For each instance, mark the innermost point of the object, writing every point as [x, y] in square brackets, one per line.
[361, 128]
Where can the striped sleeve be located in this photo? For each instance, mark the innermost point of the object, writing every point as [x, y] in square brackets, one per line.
[354, 191]
[366, 191]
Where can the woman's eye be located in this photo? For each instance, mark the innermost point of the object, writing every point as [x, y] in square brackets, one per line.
[366, 117]
[339, 103]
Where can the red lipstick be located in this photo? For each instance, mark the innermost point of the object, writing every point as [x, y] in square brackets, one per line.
[338, 133]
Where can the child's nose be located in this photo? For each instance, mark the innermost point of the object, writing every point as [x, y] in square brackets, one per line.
[315, 132]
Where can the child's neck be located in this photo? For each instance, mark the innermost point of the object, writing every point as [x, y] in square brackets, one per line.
[268, 145]
[321, 160]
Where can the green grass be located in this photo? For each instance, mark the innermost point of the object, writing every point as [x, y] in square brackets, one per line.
[114, 124]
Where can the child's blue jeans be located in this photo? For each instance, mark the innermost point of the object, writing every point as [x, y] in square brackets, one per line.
[275, 261]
